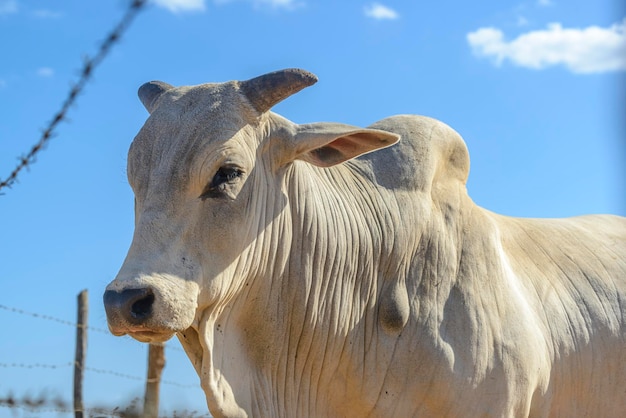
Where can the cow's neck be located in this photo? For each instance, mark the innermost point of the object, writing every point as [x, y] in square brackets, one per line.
[342, 293]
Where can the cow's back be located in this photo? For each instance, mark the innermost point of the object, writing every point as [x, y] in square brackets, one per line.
[573, 274]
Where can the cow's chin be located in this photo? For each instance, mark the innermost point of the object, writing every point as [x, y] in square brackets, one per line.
[144, 335]
[151, 336]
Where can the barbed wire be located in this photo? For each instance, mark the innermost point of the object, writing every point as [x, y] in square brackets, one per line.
[94, 370]
[86, 72]
[70, 323]
[131, 377]
[53, 319]
[40, 404]
[75, 325]
[35, 365]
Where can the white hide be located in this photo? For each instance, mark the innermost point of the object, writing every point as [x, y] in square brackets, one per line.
[315, 286]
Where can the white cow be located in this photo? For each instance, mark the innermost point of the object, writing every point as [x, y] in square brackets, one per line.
[302, 281]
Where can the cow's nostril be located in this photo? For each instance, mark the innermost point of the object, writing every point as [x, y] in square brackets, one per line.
[142, 308]
[132, 306]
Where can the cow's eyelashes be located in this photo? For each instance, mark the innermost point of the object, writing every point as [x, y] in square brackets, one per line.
[222, 178]
[225, 175]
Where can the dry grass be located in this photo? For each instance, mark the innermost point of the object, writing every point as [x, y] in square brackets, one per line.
[45, 402]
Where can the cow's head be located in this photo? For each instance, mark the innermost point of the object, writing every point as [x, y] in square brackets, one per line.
[208, 171]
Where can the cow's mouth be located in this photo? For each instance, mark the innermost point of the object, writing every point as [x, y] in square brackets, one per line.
[146, 336]
[143, 335]
[151, 337]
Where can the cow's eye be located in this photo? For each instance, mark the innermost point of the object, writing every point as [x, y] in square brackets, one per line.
[221, 179]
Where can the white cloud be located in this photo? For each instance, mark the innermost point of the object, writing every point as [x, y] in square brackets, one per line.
[176, 6]
[45, 72]
[589, 50]
[544, 3]
[379, 12]
[8, 7]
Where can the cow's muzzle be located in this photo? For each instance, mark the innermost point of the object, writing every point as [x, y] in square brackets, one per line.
[129, 309]
[150, 308]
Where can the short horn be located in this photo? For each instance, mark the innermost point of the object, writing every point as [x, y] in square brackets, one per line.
[265, 91]
[150, 92]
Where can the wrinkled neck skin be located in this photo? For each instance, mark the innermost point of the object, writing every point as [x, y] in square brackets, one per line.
[376, 297]
[326, 309]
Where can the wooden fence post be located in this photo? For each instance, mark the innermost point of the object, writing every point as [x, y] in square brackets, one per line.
[156, 363]
[81, 351]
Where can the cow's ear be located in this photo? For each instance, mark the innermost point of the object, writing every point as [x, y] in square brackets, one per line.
[150, 92]
[328, 144]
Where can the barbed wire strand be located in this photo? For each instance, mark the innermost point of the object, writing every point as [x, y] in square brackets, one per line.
[86, 72]
[70, 323]
[131, 377]
[35, 365]
[53, 319]
[94, 370]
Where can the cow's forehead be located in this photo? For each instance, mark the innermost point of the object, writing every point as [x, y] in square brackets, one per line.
[190, 114]
[187, 124]
[217, 104]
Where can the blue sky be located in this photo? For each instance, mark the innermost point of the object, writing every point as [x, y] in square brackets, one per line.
[536, 87]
